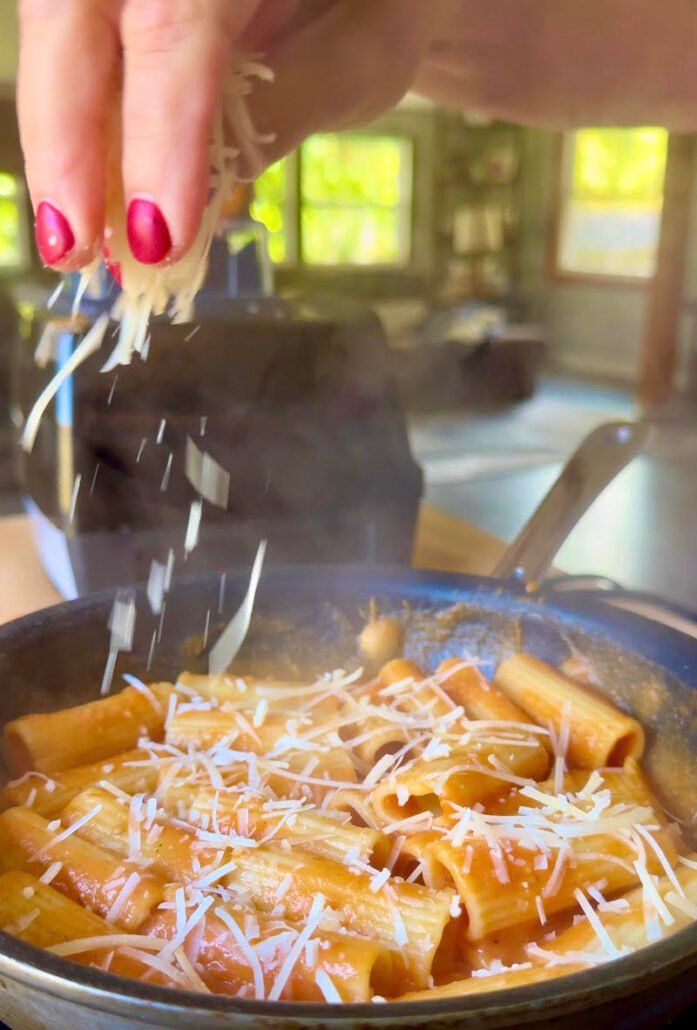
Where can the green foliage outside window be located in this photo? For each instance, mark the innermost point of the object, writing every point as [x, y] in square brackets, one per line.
[352, 170]
[355, 201]
[10, 229]
[620, 164]
[268, 207]
[612, 200]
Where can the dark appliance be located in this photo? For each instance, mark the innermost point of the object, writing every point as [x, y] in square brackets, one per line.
[292, 396]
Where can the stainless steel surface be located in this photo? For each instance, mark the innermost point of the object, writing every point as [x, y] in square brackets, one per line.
[600, 457]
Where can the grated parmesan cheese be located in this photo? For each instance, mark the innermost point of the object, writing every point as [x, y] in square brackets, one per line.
[22, 923]
[193, 526]
[206, 476]
[85, 349]
[73, 828]
[314, 919]
[80, 945]
[596, 924]
[116, 910]
[195, 981]
[231, 639]
[327, 987]
[247, 950]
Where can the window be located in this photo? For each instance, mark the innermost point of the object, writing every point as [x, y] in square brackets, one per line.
[343, 199]
[270, 207]
[611, 198]
[13, 248]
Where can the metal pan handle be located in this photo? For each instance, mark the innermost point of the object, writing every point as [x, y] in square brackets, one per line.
[600, 457]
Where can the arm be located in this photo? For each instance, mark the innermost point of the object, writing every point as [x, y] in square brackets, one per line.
[564, 64]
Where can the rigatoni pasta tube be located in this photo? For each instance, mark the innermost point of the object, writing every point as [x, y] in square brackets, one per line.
[500, 886]
[204, 728]
[628, 926]
[460, 778]
[119, 891]
[40, 915]
[333, 765]
[357, 803]
[358, 968]
[420, 693]
[247, 691]
[60, 740]
[49, 795]
[469, 688]
[407, 918]
[502, 882]
[170, 851]
[599, 734]
[371, 737]
[415, 852]
[496, 982]
[215, 688]
[249, 816]
[57, 919]
[627, 784]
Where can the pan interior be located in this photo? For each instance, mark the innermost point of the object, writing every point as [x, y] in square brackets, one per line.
[307, 622]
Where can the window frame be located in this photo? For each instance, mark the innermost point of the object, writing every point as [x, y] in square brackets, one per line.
[607, 280]
[417, 131]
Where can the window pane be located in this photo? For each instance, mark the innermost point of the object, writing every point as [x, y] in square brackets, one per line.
[611, 211]
[620, 164]
[11, 251]
[268, 207]
[354, 169]
[369, 236]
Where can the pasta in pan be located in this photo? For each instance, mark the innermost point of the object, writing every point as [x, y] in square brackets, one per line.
[350, 839]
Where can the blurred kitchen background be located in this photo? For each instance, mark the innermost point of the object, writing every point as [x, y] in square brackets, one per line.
[530, 285]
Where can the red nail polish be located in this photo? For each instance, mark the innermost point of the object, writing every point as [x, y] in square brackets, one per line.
[113, 267]
[54, 237]
[148, 235]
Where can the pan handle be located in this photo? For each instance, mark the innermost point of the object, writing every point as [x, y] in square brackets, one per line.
[600, 457]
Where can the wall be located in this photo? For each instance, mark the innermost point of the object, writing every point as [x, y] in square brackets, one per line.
[592, 328]
[8, 41]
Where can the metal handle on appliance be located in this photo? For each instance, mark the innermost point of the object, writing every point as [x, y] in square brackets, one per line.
[600, 457]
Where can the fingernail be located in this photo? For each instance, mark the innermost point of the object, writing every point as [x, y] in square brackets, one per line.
[113, 267]
[148, 235]
[54, 237]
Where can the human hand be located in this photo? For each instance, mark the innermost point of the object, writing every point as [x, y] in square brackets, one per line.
[337, 63]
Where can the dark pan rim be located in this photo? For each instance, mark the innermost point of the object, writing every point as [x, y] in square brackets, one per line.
[666, 647]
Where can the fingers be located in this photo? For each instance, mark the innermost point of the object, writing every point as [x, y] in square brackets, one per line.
[175, 53]
[350, 64]
[63, 97]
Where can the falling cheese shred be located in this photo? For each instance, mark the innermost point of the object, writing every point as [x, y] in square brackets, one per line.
[206, 476]
[88, 346]
[233, 636]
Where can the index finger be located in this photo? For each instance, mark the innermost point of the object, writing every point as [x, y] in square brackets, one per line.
[67, 78]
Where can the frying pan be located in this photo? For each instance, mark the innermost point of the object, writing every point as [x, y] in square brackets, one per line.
[307, 620]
